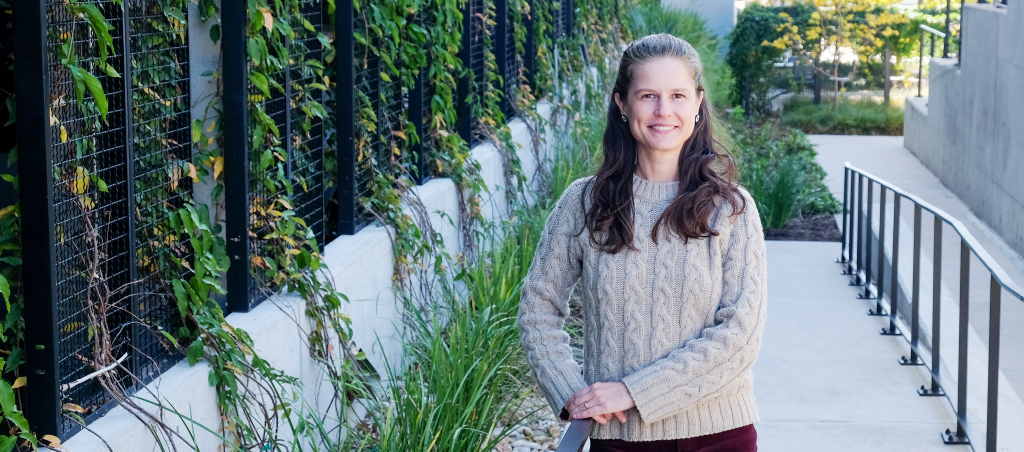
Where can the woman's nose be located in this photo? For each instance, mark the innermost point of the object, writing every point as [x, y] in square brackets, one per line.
[663, 107]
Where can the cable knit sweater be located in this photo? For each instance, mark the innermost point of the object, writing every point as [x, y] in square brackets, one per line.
[679, 324]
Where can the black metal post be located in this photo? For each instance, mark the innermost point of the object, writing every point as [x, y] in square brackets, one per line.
[936, 388]
[530, 58]
[35, 169]
[345, 101]
[992, 417]
[894, 290]
[960, 437]
[945, 39]
[868, 233]
[880, 279]
[236, 159]
[852, 231]
[137, 328]
[920, 66]
[860, 231]
[846, 206]
[915, 294]
[464, 109]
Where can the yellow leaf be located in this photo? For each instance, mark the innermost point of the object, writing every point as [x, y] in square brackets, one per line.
[73, 408]
[54, 442]
[399, 134]
[81, 181]
[21, 381]
[268, 19]
[218, 166]
[259, 262]
[63, 134]
[284, 203]
[192, 173]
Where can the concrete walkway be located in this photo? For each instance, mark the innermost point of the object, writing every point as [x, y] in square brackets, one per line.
[825, 379]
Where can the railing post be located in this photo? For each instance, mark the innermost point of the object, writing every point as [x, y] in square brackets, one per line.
[860, 231]
[236, 159]
[852, 231]
[35, 169]
[880, 279]
[846, 206]
[868, 233]
[345, 101]
[915, 294]
[936, 388]
[960, 437]
[945, 39]
[992, 416]
[894, 290]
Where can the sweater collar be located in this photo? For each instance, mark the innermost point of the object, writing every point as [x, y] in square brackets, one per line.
[654, 191]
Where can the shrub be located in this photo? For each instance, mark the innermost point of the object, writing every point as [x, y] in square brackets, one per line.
[777, 167]
[850, 118]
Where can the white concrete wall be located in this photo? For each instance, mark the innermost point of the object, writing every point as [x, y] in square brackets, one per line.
[719, 14]
[968, 132]
[361, 266]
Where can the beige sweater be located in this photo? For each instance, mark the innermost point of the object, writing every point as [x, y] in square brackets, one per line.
[680, 325]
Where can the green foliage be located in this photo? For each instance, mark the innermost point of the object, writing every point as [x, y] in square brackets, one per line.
[651, 18]
[10, 412]
[777, 167]
[752, 63]
[850, 118]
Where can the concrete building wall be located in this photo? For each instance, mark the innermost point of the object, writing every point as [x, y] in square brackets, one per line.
[719, 14]
[969, 132]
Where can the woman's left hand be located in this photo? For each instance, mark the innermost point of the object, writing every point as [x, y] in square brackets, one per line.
[601, 401]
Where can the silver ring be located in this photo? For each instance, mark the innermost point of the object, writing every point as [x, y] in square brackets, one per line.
[585, 405]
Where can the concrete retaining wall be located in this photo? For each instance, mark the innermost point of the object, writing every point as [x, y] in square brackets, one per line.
[968, 132]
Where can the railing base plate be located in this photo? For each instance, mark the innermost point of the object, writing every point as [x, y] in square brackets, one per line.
[907, 362]
[949, 437]
[879, 312]
[890, 332]
[927, 392]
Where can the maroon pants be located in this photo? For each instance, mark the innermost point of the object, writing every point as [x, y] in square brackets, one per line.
[743, 439]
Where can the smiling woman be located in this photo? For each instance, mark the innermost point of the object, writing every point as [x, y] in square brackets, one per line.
[672, 324]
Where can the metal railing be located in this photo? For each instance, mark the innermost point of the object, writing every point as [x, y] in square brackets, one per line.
[857, 249]
[920, 68]
[576, 436]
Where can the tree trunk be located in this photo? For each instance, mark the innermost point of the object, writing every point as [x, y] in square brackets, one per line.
[887, 82]
[817, 80]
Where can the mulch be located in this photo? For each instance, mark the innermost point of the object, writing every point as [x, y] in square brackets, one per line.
[812, 228]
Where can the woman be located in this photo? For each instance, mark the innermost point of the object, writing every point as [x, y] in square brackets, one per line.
[670, 257]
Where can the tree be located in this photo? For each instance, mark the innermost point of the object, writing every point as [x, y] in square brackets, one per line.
[836, 26]
[751, 62]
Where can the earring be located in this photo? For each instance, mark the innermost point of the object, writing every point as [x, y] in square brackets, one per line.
[696, 119]
[636, 159]
[623, 118]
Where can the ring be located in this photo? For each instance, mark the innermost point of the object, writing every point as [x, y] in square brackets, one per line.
[585, 405]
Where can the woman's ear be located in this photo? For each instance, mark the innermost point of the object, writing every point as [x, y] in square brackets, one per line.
[618, 102]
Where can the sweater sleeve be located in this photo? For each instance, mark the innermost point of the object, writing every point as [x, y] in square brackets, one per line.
[723, 352]
[544, 302]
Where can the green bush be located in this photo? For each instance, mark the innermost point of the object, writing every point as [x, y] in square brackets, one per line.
[851, 118]
[777, 167]
[650, 18]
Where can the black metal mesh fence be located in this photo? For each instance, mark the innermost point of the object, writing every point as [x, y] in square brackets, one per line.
[477, 29]
[297, 148]
[511, 66]
[113, 245]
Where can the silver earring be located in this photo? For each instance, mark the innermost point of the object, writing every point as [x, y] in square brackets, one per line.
[623, 118]
[696, 119]
[636, 159]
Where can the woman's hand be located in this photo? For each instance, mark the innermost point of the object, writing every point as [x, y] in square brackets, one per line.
[601, 401]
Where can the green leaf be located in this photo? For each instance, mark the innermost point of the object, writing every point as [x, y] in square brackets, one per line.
[260, 82]
[7, 443]
[5, 290]
[7, 399]
[182, 295]
[99, 26]
[176, 13]
[101, 185]
[195, 352]
[215, 33]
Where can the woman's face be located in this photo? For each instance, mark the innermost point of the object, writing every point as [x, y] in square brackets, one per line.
[661, 104]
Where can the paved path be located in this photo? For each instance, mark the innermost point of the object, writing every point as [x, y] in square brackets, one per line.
[825, 379]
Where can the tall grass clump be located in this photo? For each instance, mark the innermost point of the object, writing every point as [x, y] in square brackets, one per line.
[650, 17]
[777, 167]
[850, 118]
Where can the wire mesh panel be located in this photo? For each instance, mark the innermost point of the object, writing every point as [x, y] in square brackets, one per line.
[508, 60]
[108, 251]
[285, 159]
[161, 139]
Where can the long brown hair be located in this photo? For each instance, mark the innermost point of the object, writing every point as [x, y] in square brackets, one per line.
[707, 173]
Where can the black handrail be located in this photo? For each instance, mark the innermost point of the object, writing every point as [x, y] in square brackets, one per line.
[931, 52]
[856, 256]
[576, 437]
